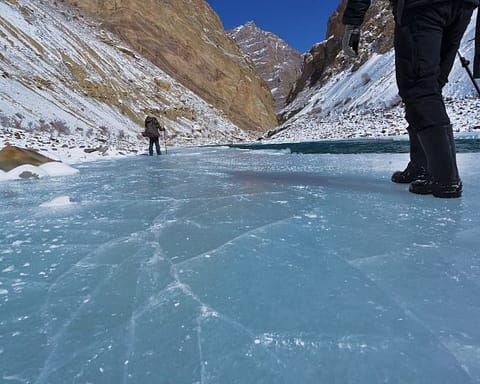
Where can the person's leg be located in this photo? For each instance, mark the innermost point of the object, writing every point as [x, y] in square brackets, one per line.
[420, 58]
[439, 146]
[405, 69]
[453, 35]
[418, 42]
[157, 146]
[445, 181]
[417, 166]
[150, 147]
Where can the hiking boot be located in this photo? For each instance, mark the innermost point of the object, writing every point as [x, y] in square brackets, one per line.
[439, 146]
[411, 173]
[417, 167]
[443, 190]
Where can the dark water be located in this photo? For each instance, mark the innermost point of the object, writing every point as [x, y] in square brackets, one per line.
[464, 145]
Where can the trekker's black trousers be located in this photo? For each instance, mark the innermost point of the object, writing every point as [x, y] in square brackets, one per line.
[426, 43]
[154, 140]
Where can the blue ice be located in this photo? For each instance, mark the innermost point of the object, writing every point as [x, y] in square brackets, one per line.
[221, 265]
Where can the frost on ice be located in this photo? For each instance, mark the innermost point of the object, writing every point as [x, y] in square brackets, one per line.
[219, 265]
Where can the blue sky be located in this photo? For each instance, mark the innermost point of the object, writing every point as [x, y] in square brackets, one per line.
[301, 23]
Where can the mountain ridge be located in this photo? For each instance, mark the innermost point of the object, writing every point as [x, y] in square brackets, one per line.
[339, 97]
[74, 88]
[186, 39]
[276, 62]
[66, 84]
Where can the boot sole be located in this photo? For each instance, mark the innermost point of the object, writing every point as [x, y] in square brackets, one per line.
[421, 192]
[451, 194]
[407, 181]
[402, 181]
[448, 195]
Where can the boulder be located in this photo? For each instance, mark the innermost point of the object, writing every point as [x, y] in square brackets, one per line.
[12, 157]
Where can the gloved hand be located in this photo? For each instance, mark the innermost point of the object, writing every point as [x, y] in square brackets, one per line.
[351, 40]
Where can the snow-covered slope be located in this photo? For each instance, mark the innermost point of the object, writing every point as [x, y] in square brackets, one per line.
[66, 85]
[364, 101]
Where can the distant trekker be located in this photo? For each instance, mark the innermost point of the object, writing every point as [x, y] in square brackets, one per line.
[152, 131]
[427, 36]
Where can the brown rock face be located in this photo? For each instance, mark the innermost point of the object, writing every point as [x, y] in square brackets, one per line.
[316, 61]
[323, 59]
[278, 64]
[186, 39]
[12, 157]
[335, 25]
[377, 28]
[321, 55]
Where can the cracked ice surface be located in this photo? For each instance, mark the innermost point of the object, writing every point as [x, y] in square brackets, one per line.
[223, 266]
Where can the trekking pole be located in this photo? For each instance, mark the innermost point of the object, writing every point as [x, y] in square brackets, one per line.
[476, 56]
[465, 64]
[165, 141]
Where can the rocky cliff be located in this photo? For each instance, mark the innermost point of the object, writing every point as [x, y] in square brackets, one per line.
[324, 61]
[276, 62]
[338, 97]
[186, 39]
[68, 86]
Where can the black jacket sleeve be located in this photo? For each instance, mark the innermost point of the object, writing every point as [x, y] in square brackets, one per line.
[355, 12]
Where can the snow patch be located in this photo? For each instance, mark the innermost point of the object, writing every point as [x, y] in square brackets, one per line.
[47, 169]
[58, 202]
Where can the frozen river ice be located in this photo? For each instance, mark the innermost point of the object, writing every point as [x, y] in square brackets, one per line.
[222, 266]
